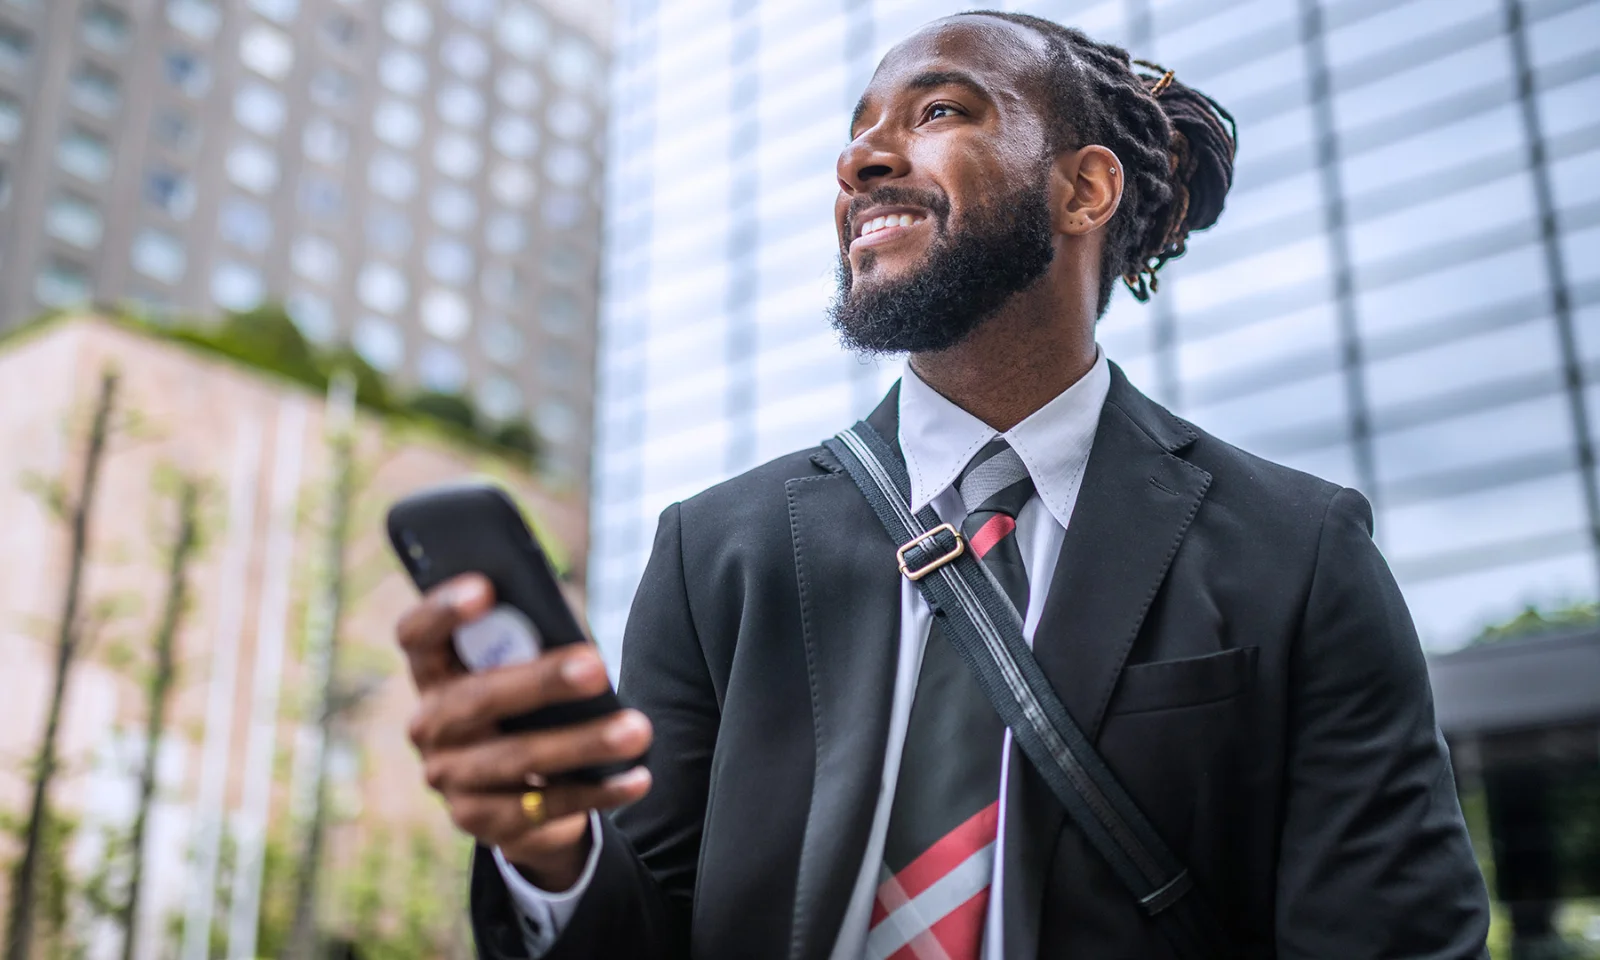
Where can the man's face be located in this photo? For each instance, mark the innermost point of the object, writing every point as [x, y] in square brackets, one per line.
[943, 210]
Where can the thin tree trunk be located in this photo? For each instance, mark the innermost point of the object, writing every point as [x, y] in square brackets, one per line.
[25, 880]
[303, 933]
[161, 679]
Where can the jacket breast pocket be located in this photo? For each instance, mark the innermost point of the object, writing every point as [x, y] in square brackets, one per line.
[1190, 682]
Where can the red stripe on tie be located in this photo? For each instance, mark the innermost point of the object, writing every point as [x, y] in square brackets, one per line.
[936, 861]
[997, 528]
[959, 933]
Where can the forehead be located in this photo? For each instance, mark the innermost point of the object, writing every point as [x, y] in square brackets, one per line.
[1004, 57]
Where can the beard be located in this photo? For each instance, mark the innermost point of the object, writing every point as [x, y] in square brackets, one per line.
[965, 277]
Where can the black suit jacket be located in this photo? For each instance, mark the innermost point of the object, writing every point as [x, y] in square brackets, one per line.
[1223, 628]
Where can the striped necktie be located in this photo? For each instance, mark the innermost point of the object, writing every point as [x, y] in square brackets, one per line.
[938, 858]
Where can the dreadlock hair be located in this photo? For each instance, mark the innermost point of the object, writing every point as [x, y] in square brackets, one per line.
[1176, 152]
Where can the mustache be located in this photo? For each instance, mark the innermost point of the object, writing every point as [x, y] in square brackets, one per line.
[933, 201]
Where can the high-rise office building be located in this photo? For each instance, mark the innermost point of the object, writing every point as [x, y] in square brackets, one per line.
[420, 179]
[1402, 296]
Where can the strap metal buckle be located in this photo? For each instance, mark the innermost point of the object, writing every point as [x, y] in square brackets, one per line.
[936, 562]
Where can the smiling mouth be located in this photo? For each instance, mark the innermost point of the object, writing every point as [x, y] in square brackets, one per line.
[882, 228]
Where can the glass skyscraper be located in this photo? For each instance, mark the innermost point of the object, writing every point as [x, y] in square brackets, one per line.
[1403, 294]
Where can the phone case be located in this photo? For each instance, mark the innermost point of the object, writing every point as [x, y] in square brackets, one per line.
[442, 532]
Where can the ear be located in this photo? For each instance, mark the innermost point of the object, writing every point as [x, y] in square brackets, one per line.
[1086, 187]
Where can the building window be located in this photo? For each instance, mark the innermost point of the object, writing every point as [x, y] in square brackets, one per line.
[523, 31]
[388, 232]
[517, 87]
[397, 124]
[382, 288]
[188, 72]
[461, 105]
[170, 192]
[259, 108]
[559, 313]
[341, 30]
[198, 18]
[501, 342]
[392, 176]
[245, 223]
[253, 167]
[557, 421]
[62, 283]
[74, 220]
[556, 364]
[14, 48]
[313, 314]
[403, 72]
[449, 261]
[445, 314]
[475, 13]
[407, 21]
[159, 255]
[95, 90]
[500, 398]
[85, 155]
[236, 286]
[574, 63]
[282, 11]
[567, 165]
[380, 343]
[267, 51]
[105, 28]
[321, 198]
[316, 259]
[452, 207]
[465, 54]
[562, 210]
[325, 141]
[457, 156]
[569, 118]
[502, 284]
[515, 137]
[173, 129]
[332, 87]
[5, 186]
[563, 264]
[10, 119]
[506, 232]
[441, 369]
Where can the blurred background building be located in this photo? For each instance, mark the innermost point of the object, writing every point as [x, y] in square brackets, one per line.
[1403, 294]
[410, 177]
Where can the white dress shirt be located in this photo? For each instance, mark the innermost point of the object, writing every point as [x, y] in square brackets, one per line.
[937, 438]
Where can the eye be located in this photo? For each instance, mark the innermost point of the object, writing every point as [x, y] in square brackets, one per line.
[940, 110]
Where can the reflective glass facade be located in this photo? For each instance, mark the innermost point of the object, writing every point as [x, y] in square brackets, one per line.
[1403, 294]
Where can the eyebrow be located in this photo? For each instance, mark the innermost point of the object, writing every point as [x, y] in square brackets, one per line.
[928, 80]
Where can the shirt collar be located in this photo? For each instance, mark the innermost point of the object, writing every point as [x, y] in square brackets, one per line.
[938, 438]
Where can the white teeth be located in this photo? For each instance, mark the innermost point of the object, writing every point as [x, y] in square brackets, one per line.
[905, 219]
[892, 220]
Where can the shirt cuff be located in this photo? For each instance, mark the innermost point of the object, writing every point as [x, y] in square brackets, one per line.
[544, 914]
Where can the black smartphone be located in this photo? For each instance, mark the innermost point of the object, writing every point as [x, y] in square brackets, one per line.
[442, 532]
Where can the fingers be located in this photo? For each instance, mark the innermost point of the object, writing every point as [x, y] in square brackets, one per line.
[426, 629]
[498, 818]
[506, 763]
[464, 708]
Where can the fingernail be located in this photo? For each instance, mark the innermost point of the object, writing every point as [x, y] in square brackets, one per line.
[464, 593]
[582, 669]
[637, 777]
[624, 729]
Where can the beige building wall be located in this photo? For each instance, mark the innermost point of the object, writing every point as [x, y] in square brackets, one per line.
[259, 444]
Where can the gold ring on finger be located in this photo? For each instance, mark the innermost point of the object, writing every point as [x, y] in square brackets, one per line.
[533, 807]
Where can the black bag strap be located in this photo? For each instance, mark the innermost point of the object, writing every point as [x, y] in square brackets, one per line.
[986, 630]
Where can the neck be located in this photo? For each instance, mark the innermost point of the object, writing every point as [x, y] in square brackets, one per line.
[1016, 362]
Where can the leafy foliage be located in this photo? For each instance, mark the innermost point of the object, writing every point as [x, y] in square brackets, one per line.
[1532, 621]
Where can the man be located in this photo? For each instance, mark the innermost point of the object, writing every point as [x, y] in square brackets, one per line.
[825, 779]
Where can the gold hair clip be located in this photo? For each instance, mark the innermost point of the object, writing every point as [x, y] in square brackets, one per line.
[1167, 76]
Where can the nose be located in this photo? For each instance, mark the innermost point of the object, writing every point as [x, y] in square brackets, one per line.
[867, 162]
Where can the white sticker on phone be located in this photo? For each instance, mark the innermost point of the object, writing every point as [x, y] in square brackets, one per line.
[502, 637]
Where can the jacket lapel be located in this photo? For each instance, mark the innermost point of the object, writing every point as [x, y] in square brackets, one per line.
[850, 610]
[1133, 510]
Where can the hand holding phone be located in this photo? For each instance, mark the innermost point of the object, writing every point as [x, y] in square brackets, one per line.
[537, 714]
